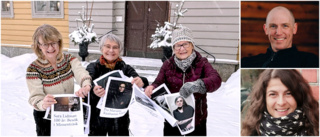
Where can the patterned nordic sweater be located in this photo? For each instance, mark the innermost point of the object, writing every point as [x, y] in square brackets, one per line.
[42, 79]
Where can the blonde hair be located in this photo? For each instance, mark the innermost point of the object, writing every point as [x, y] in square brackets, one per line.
[47, 33]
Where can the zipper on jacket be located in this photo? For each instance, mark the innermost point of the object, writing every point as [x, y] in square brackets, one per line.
[273, 56]
[184, 75]
[270, 60]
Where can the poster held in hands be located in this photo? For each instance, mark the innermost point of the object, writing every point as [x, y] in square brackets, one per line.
[158, 96]
[150, 104]
[182, 109]
[142, 99]
[102, 81]
[67, 116]
[117, 98]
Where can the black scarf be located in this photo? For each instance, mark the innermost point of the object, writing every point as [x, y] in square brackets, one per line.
[290, 125]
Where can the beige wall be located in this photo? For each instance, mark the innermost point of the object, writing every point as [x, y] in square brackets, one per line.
[18, 30]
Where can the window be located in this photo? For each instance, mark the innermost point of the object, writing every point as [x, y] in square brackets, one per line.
[6, 9]
[47, 9]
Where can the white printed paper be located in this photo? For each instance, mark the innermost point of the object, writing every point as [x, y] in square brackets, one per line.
[183, 110]
[67, 116]
[117, 98]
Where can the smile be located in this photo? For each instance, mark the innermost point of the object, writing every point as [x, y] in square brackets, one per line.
[279, 38]
[283, 110]
[51, 51]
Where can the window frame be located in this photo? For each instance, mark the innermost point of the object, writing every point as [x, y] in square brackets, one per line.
[7, 14]
[47, 14]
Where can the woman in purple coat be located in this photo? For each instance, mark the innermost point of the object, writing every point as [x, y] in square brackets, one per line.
[187, 72]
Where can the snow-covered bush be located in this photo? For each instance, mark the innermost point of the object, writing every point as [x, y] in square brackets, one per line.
[162, 36]
[83, 34]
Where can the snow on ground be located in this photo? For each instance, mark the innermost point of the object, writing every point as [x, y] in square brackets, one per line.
[143, 61]
[17, 114]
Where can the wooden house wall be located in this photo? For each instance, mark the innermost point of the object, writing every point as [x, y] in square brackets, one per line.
[19, 29]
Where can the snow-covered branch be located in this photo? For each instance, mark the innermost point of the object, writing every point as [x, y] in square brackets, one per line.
[83, 33]
[162, 35]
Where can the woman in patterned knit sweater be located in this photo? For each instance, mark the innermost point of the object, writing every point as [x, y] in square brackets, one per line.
[52, 73]
[281, 104]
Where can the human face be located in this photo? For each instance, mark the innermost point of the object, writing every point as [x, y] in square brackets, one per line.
[279, 99]
[110, 50]
[179, 102]
[183, 52]
[50, 50]
[280, 28]
[122, 87]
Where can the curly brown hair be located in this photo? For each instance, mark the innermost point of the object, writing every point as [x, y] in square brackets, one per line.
[300, 90]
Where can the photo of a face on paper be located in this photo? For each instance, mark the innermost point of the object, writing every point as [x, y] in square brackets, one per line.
[182, 109]
[119, 94]
[67, 104]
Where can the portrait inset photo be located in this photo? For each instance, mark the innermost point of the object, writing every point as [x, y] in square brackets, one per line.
[67, 104]
[182, 109]
[119, 94]
[279, 102]
[279, 34]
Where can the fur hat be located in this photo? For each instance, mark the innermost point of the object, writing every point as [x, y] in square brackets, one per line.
[182, 34]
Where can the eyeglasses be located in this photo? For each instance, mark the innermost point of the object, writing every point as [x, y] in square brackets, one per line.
[108, 47]
[185, 45]
[46, 45]
[122, 87]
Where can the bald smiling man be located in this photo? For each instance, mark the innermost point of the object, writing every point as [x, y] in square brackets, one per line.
[280, 27]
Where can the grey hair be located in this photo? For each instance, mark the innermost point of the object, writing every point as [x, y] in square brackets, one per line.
[113, 38]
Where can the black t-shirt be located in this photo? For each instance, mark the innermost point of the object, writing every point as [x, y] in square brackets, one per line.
[187, 113]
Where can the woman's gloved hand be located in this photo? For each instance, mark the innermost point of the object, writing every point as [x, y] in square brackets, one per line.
[192, 87]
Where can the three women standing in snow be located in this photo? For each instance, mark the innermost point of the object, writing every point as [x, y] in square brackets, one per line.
[187, 72]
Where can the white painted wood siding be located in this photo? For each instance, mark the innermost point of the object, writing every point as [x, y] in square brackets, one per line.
[215, 26]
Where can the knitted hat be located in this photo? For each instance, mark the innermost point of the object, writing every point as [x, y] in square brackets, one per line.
[182, 34]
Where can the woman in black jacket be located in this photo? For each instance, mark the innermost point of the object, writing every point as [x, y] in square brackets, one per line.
[110, 46]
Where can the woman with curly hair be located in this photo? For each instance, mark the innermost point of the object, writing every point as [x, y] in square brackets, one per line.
[281, 103]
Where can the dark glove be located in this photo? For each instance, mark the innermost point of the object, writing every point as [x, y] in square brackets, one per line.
[192, 87]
